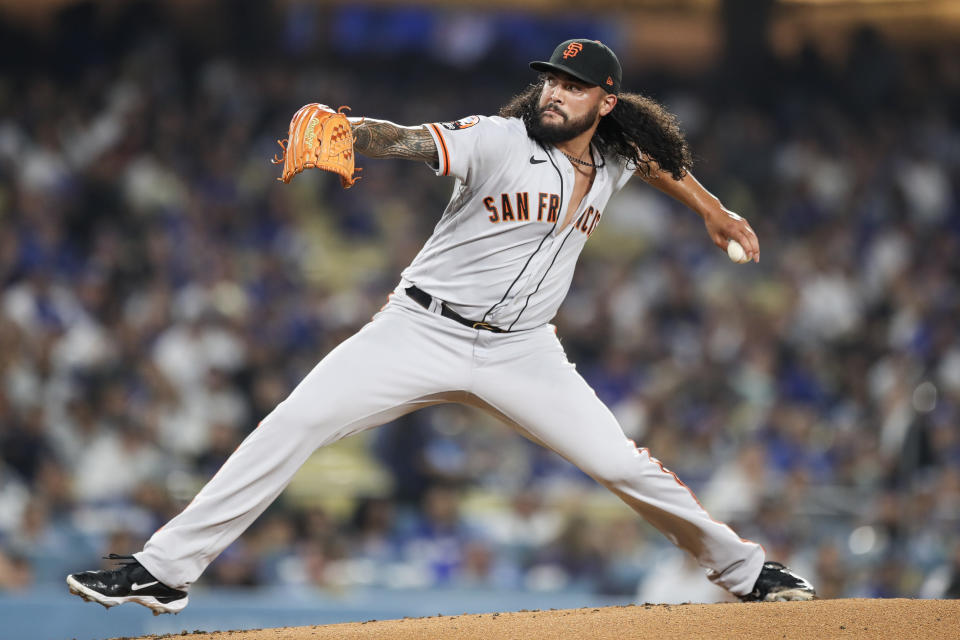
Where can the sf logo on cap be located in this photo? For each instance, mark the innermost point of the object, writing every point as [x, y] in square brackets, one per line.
[572, 50]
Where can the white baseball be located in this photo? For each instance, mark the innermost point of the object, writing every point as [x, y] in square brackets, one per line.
[736, 252]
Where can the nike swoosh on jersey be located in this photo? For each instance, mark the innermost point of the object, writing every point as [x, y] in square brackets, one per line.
[137, 587]
[535, 161]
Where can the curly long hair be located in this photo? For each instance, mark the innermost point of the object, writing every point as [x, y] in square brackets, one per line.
[637, 127]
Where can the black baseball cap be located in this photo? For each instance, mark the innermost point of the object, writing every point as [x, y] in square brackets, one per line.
[587, 60]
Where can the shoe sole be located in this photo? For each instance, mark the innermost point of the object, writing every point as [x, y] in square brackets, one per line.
[790, 595]
[89, 595]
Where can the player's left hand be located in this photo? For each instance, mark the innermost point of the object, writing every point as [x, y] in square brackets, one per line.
[319, 138]
[726, 225]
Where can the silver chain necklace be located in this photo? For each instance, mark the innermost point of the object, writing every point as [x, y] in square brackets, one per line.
[579, 161]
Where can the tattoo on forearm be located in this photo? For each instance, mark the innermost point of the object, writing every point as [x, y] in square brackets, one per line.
[380, 139]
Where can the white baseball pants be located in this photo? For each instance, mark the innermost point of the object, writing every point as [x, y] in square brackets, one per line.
[407, 358]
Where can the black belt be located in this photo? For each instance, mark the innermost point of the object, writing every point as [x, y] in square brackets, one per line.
[424, 299]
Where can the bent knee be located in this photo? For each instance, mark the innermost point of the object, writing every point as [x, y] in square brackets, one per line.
[292, 416]
[630, 467]
[613, 476]
[614, 471]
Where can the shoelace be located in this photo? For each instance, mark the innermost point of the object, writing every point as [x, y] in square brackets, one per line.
[115, 556]
[122, 560]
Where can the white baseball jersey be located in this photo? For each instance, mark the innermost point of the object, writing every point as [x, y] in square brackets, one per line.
[500, 253]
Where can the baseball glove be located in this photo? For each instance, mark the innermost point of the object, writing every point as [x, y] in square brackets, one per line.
[320, 138]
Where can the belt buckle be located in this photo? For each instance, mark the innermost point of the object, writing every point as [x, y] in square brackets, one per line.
[489, 327]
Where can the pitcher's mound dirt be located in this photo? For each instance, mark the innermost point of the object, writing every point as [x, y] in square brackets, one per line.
[817, 620]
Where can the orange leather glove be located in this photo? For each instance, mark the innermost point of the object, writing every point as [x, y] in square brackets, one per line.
[320, 138]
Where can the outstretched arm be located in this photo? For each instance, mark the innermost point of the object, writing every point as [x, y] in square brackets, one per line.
[382, 139]
[722, 224]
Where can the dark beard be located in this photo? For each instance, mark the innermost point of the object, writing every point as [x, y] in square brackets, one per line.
[554, 133]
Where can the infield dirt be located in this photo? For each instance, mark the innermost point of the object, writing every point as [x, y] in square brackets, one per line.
[817, 620]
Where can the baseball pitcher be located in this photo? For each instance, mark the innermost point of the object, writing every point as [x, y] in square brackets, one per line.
[469, 321]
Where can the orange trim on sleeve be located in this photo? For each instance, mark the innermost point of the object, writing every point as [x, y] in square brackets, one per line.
[443, 147]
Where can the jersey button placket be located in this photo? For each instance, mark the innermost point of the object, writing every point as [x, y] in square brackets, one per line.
[565, 195]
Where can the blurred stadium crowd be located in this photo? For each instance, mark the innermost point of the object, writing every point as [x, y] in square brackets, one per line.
[161, 292]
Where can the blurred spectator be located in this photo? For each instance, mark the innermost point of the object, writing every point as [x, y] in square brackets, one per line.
[374, 529]
[831, 572]
[525, 529]
[15, 572]
[436, 542]
[116, 463]
[573, 561]
[944, 581]
[738, 485]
